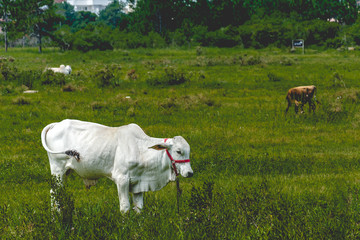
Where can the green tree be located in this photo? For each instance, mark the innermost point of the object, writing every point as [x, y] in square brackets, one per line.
[67, 11]
[345, 11]
[113, 15]
[39, 17]
[5, 14]
[156, 15]
[82, 19]
[76, 20]
[6, 10]
[225, 13]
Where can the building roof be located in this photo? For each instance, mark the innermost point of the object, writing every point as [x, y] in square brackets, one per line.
[94, 6]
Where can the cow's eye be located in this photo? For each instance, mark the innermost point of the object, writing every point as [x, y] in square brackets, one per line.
[178, 152]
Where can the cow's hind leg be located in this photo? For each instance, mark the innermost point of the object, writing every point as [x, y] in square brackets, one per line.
[123, 184]
[302, 108]
[58, 171]
[138, 201]
[289, 104]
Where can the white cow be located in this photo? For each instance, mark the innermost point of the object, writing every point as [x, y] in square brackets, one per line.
[62, 69]
[134, 161]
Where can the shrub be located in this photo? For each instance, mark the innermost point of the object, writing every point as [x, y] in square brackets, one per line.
[178, 38]
[334, 42]
[154, 40]
[69, 88]
[338, 80]
[274, 78]
[199, 51]
[8, 71]
[97, 105]
[172, 76]
[91, 39]
[123, 40]
[132, 74]
[51, 78]
[200, 35]
[246, 32]
[219, 38]
[63, 37]
[105, 77]
[252, 60]
[28, 78]
[265, 36]
[286, 61]
[21, 101]
[5, 90]
[318, 32]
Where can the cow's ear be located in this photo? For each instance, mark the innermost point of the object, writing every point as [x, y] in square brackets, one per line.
[160, 146]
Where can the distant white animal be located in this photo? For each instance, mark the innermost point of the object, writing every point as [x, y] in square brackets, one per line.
[30, 91]
[68, 69]
[134, 161]
[62, 69]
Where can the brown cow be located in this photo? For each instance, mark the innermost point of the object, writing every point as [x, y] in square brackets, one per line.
[302, 95]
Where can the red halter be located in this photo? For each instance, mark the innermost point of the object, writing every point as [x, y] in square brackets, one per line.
[175, 161]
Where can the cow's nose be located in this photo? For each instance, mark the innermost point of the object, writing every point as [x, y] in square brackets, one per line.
[190, 174]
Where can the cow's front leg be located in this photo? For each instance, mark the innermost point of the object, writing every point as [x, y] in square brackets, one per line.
[312, 106]
[296, 106]
[138, 201]
[122, 184]
[289, 104]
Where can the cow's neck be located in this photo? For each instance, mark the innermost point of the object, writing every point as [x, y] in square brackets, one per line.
[157, 171]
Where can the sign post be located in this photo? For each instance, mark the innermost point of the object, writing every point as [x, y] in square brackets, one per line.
[299, 43]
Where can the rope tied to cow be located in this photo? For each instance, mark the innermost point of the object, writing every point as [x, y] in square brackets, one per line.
[178, 194]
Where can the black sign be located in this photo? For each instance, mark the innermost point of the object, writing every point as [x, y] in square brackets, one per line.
[298, 43]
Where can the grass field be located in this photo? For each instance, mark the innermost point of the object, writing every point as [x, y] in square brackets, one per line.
[258, 174]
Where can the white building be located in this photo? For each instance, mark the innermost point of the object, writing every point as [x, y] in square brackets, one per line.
[94, 6]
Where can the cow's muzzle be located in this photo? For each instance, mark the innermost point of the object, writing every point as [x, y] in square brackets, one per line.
[189, 174]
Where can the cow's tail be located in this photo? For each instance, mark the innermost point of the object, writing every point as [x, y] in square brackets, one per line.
[72, 153]
[43, 139]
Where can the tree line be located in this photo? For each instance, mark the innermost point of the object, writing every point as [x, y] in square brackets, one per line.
[158, 23]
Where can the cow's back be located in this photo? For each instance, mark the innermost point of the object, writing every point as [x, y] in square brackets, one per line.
[95, 145]
[74, 134]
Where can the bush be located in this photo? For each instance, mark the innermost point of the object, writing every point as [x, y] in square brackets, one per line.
[123, 40]
[274, 78]
[178, 38]
[28, 78]
[21, 101]
[51, 78]
[154, 40]
[265, 36]
[260, 33]
[105, 77]
[318, 32]
[172, 76]
[220, 39]
[199, 35]
[63, 37]
[8, 71]
[92, 39]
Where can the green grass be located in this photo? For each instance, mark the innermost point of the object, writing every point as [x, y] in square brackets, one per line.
[258, 173]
